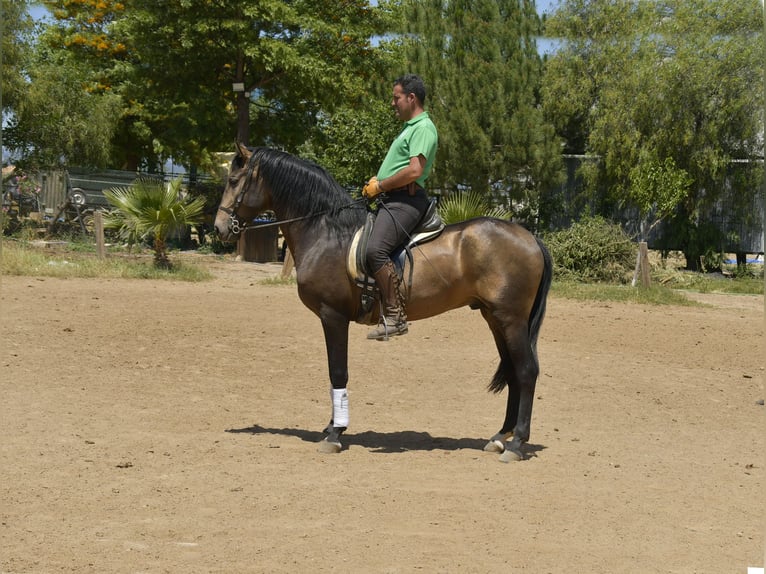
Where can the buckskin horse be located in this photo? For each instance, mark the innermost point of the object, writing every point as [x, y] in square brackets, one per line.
[492, 265]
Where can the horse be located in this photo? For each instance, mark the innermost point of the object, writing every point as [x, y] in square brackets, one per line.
[492, 265]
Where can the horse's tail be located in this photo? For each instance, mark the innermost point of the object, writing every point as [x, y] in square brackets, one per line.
[541, 299]
[536, 315]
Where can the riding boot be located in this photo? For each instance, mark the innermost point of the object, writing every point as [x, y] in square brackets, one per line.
[394, 320]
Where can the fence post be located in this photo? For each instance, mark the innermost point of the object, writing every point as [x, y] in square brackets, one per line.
[98, 227]
[642, 266]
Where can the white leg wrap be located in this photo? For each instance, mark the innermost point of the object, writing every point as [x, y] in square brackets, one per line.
[340, 407]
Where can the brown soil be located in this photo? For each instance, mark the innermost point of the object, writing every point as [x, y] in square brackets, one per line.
[152, 426]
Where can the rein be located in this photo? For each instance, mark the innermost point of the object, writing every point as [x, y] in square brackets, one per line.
[237, 227]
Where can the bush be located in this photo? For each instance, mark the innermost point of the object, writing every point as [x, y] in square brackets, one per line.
[592, 249]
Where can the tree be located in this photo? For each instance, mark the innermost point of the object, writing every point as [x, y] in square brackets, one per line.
[649, 83]
[15, 29]
[656, 189]
[84, 32]
[151, 208]
[176, 63]
[352, 142]
[290, 60]
[481, 63]
[58, 123]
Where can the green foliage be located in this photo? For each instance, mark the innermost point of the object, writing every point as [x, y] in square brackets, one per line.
[639, 83]
[468, 205]
[58, 124]
[15, 28]
[151, 208]
[351, 142]
[170, 69]
[657, 187]
[592, 249]
[480, 61]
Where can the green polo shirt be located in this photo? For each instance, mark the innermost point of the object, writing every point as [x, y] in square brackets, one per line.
[418, 137]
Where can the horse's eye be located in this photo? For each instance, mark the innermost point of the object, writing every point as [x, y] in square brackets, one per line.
[233, 181]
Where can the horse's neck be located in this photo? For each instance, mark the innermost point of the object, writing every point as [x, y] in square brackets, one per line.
[313, 246]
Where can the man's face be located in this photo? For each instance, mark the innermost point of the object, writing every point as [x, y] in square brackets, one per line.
[403, 104]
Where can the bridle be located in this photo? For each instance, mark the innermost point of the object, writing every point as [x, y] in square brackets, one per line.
[238, 227]
[234, 224]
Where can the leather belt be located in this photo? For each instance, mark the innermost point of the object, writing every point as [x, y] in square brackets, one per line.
[411, 189]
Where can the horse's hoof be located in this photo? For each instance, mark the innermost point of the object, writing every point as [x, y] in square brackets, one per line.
[497, 442]
[494, 446]
[510, 456]
[327, 447]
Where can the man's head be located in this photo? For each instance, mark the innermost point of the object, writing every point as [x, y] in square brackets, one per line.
[408, 96]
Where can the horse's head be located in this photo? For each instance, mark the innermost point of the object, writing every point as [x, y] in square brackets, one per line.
[244, 196]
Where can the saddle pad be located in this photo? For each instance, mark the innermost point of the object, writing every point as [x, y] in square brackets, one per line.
[356, 271]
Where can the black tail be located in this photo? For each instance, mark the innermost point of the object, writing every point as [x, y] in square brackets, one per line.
[536, 315]
[541, 300]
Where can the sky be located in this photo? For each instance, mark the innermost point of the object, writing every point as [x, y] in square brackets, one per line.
[546, 5]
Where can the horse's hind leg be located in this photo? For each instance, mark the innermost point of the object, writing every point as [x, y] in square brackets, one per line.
[518, 371]
[504, 377]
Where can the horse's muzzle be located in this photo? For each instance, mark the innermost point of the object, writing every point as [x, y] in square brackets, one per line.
[224, 228]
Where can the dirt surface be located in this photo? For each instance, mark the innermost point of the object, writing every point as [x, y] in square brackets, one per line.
[150, 426]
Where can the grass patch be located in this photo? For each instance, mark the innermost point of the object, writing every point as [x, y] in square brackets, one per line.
[57, 260]
[653, 295]
[278, 280]
[714, 283]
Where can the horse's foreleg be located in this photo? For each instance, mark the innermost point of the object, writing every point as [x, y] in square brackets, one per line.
[336, 340]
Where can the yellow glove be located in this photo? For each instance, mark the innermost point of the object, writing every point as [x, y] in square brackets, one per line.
[372, 188]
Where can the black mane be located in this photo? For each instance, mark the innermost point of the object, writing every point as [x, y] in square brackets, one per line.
[300, 188]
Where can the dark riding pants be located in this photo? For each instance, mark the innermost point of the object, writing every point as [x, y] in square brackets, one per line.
[398, 215]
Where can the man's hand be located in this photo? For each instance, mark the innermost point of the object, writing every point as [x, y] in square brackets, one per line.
[372, 188]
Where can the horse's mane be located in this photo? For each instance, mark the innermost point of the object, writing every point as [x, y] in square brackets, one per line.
[300, 188]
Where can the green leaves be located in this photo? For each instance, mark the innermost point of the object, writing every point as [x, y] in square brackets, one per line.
[480, 62]
[152, 208]
[469, 205]
[666, 93]
[657, 186]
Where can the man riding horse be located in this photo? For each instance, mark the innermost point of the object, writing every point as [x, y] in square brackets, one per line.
[399, 187]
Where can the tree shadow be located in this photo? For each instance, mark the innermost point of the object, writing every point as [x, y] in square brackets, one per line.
[386, 442]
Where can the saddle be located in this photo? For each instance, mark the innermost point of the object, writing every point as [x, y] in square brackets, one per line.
[429, 227]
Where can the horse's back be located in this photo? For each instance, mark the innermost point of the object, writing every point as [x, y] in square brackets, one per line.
[483, 262]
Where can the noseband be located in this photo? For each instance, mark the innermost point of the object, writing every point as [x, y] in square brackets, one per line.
[234, 224]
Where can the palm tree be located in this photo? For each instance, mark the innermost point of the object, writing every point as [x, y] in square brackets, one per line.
[467, 205]
[149, 207]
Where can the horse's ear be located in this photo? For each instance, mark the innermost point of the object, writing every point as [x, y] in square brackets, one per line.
[243, 151]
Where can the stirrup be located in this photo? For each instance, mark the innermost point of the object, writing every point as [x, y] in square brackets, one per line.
[388, 327]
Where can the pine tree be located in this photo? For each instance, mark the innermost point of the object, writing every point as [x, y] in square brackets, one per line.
[480, 61]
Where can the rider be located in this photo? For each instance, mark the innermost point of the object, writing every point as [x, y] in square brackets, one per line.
[400, 180]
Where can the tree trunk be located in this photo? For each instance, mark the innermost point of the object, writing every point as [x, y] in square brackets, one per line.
[692, 260]
[161, 260]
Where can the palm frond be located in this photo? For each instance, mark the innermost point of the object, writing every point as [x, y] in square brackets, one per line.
[469, 205]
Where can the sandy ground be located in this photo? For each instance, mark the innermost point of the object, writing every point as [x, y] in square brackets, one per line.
[154, 427]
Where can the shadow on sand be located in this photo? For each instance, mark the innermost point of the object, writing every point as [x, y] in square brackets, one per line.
[385, 442]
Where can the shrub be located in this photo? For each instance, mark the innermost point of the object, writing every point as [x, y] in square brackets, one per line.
[592, 249]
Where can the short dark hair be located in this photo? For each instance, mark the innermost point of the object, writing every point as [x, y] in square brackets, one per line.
[412, 84]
